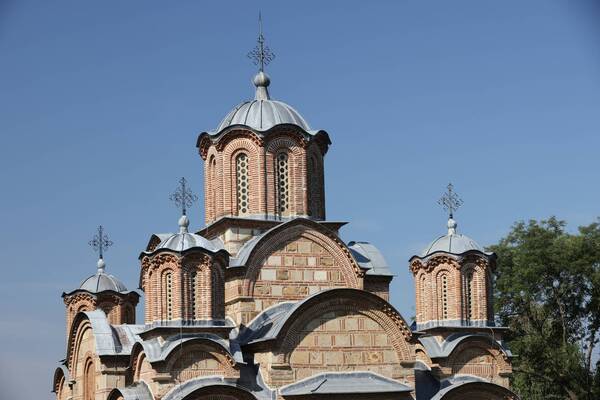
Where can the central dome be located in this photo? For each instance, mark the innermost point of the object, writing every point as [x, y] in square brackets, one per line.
[262, 113]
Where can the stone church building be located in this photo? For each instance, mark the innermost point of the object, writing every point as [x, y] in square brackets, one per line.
[268, 302]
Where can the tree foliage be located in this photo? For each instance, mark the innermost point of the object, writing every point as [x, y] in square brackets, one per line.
[548, 294]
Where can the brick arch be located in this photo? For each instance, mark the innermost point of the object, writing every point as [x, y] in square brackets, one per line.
[453, 290]
[479, 391]
[228, 172]
[468, 358]
[345, 302]
[196, 351]
[311, 230]
[80, 326]
[293, 147]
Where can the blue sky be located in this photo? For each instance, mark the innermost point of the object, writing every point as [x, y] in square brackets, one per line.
[101, 104]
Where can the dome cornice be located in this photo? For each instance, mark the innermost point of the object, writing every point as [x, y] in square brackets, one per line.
[220, 139]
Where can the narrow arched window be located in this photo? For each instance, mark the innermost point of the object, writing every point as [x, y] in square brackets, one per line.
[89, 390]
[469, 290]
[213, 186]
[193, 288]
[242, 183]
[282, 182]
[444, 297]
[168, 285]
[423, 299]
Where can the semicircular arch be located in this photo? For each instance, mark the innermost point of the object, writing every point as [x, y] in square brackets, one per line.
[301, 227]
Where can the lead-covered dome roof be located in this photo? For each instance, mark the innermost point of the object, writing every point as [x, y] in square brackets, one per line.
[102, 281]
[263, 113]
[184, 240]
[453, 243]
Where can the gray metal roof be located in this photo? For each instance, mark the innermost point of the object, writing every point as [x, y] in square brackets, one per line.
[267, 325]
[184, 240]
[102, 281]
[452, 243]
[157, 351]
[344, 383]
[451, 384]
[263, 113]
[436, 349]
[112, 339]
[139, 391]
[369, 256]
[183, 390]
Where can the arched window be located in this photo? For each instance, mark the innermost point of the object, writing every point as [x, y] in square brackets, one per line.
[469, 290]
[282, 182]
[213, 186]
[89, 382]
[444, 293]
[242, 183]
[193, 288]
[168, 288]
[423, 299]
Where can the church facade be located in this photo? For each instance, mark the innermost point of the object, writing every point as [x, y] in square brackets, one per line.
[268, 302]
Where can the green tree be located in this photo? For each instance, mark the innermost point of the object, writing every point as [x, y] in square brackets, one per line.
[548, 294]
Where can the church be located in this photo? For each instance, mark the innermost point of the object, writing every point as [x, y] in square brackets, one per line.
[267, 301]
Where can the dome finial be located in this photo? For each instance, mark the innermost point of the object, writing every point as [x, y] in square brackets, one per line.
[100, 243]
[183, 198]
[450, 202]
[261, 56]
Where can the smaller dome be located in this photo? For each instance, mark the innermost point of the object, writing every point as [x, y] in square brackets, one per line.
[184, 240]
[453, 243]
[101, 281]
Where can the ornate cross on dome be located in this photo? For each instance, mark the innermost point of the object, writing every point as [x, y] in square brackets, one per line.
[261, 55]
[450, 200]
[100, 242]
[183, 197]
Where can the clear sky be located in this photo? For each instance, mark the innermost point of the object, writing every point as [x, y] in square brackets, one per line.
[101, 103]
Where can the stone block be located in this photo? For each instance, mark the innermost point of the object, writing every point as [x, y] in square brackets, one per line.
[327, 261]
[351, 324]
[283, 274]
[274, 261]
[316, 358]
[334, 358]
[320, 275]
[353, 358]
[373, 357]
[324, 340]
[311, 261]
[299, 357]
[296, 275]
[299, 260]
[363, 340]
[304, 247]
[342, 340]
[276, 290]
[292, 247]
[288, 261]
[268, 274]
[308, 275]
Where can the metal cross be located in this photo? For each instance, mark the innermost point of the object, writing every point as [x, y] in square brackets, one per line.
[183, 197]
[261, 55]
[100, 243]
[450, 200]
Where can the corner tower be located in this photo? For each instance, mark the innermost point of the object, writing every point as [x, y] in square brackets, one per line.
[453, 278]
[263, 162]
[102, 291]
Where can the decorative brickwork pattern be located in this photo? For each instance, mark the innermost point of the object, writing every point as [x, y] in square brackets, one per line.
[449, 288]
